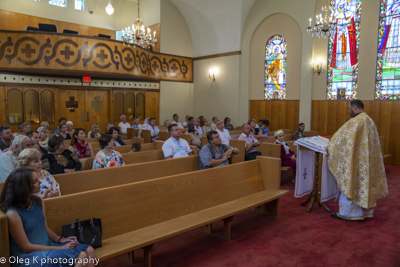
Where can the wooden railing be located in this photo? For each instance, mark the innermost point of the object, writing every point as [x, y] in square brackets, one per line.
[66, 54]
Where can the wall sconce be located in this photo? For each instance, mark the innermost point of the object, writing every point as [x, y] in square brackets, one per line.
[211, 74]
[317, 68]
[91, 10]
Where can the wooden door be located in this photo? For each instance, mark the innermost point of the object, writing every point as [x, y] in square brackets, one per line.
[97, 109]
[152, 106]
[76, 115]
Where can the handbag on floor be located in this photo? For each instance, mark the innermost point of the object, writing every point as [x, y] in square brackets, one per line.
[88, 232]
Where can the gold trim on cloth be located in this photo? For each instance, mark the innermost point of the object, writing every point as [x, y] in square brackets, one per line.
[355, 160]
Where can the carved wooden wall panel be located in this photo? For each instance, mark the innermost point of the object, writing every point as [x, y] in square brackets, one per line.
[77, 55]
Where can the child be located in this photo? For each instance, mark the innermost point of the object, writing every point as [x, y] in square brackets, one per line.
[135, 147]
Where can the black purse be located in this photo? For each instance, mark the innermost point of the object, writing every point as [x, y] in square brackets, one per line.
[88, 232]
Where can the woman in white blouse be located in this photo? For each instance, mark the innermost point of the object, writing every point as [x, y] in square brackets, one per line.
[30, 158]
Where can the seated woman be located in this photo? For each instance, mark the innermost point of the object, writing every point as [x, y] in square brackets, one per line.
[59, 159]
[287, 156]
[256, 132]
[135, 147]
[166, 124]
[107, 157]
[114, 132]
[227, 124]
[63, 132]
[79, 146]
[136, 123]
[70, 128]
[264, 127]
[300, 131]
[214, 123]
[206, 127]
[195, 137]
[30, 158]
[43, 136]
[95, 131]
[30, 237]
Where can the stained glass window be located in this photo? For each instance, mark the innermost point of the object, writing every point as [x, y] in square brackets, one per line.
[343, 50]
[388, 61]
[80, 5]
[275, 68]
[61, 3]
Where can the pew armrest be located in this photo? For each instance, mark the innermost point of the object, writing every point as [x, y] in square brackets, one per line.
[239, 144]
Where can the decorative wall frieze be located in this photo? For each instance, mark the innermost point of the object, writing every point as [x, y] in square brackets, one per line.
[79, 55]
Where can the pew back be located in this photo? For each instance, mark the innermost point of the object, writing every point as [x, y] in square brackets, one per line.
[130, 207]
[108, 177]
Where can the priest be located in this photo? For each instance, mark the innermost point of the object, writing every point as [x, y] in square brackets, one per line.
[355, 160]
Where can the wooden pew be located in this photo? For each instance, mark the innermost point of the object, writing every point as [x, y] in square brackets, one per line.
[146, 135]
[163, 207]
[163, 136]
[274, 151]
[129, 142]
[127, 148]
[131, 133]
[310, 133]
[108, 177]
[137, 157]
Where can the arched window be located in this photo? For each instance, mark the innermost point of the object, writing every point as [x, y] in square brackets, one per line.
[343, 50]
[31, 106]
[130, 106]
[275, 68]
[15, 107]
[118, 106]
[47, 106]
[140, 100]
[388, 61]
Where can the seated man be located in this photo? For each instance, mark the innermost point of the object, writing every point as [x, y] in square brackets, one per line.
[195, 137]
[154, 131]
[223, 133]
[197, 125]
[34, 136]
[176, 147]
[124, 126]
[175, 121]
[6, 137]
[108, 126]
[215, 154]
[251, 143]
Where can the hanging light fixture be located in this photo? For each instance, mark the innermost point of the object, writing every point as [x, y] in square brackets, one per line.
[137, 35]
[323, 25]
[109, 8]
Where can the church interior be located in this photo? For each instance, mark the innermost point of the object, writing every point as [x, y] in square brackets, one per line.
[287, 61]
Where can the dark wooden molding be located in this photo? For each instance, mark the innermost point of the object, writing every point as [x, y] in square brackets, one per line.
[218, 55]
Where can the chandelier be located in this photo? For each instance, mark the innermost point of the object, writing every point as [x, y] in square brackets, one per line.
[323, 25]
[137, 35]
[109, 8]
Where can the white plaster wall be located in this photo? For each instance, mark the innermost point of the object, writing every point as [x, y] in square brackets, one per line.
[214, 25]
[220, 97]
[127, 11]
[367, 53]
[43, 9]
[175, 97]
[300, 11]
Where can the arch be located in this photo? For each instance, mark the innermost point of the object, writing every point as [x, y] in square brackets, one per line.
[31, 106]
[140, 109]
[290, 30]
[15, 106]
[130, 106]
[275, 68]
[118, 106]
[47, 106]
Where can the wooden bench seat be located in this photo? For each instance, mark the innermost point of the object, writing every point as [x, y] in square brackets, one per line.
[139, 214]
